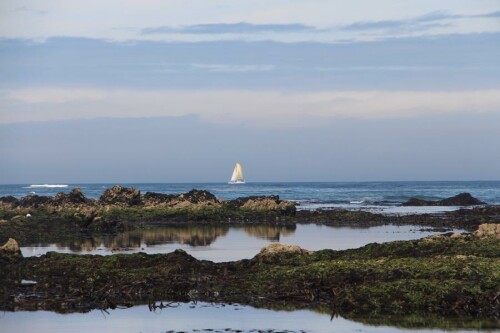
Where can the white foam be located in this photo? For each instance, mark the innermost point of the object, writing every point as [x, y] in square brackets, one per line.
[47, 185]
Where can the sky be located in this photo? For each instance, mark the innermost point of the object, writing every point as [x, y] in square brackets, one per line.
[295, 90]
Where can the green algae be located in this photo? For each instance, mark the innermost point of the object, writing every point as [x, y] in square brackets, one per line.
[445, 275]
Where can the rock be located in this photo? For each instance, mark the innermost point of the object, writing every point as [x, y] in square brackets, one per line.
[9, 201]
[76, 196]
[462, 199]
[10, 248]
[34, 201]
[264, 203]
[198, 196]
[153, 199]
[278, 248]
[121, 195]
[488, 230]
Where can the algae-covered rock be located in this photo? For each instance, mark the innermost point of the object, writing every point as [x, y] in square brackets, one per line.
[121, 195]
[488, 230]
[10, 248]
[278, 248]
[264, 203]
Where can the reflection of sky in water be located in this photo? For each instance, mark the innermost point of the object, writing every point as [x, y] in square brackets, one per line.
[234, 243]
[139, 319]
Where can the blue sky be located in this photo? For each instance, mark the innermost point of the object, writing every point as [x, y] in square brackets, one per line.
[333, 90]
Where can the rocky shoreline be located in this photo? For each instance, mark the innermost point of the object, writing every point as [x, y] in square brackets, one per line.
[452, 274]
[449, 275]
[73, 216]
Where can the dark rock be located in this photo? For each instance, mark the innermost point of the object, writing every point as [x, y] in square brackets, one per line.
[34, 201]
[76, 196]
[152, 198]
[9, 200]
[197, 196]
[118, 194]
[462, 199]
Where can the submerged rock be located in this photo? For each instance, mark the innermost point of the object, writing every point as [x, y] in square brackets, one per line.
[121, 195]
[462, 199]
[10, 248]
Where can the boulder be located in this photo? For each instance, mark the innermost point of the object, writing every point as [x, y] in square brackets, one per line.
[462, 199]
[121, 195]
[486, 230]
[280, 249]
[10, 248]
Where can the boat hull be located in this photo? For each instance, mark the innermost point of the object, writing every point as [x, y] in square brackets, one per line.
[236, 182]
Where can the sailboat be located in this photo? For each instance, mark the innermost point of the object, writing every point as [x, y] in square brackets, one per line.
[237, 177]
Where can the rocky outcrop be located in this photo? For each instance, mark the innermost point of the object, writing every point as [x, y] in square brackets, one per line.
[10, 248]
[9, 201]
[34, 201]
[75, 197]
[264, 203]
[198, 196]
[156, 199]
[487, 230]
[462, 199]
[121, 195]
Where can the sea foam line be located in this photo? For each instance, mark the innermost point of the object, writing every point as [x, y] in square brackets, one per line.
[47, 185]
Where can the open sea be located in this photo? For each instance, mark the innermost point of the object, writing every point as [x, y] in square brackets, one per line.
[374, 196]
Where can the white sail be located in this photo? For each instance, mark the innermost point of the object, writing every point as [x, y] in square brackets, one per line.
[237, 177]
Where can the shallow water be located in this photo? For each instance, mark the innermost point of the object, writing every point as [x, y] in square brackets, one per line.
[205, 317]
[228, 243]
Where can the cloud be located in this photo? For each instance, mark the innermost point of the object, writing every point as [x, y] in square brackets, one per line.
[230, 28]
[427, 21]
[260, 109]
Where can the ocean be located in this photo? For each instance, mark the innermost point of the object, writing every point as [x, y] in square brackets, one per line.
[384, 196]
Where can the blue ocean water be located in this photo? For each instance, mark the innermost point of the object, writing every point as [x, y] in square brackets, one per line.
[308, 195]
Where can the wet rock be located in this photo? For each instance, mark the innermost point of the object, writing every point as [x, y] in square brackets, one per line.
[154, 199]
[278, 248]
[10, 248]
[268, 203]
[198, 196]
[462, 199]
[488, 230]
[87, 217]
[121, 195]
[76, 196]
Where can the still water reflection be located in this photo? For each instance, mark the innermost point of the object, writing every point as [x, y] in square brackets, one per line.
[205, 317]
[225, 243]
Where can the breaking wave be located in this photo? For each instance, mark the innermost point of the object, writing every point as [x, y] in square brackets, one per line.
[47, 185]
